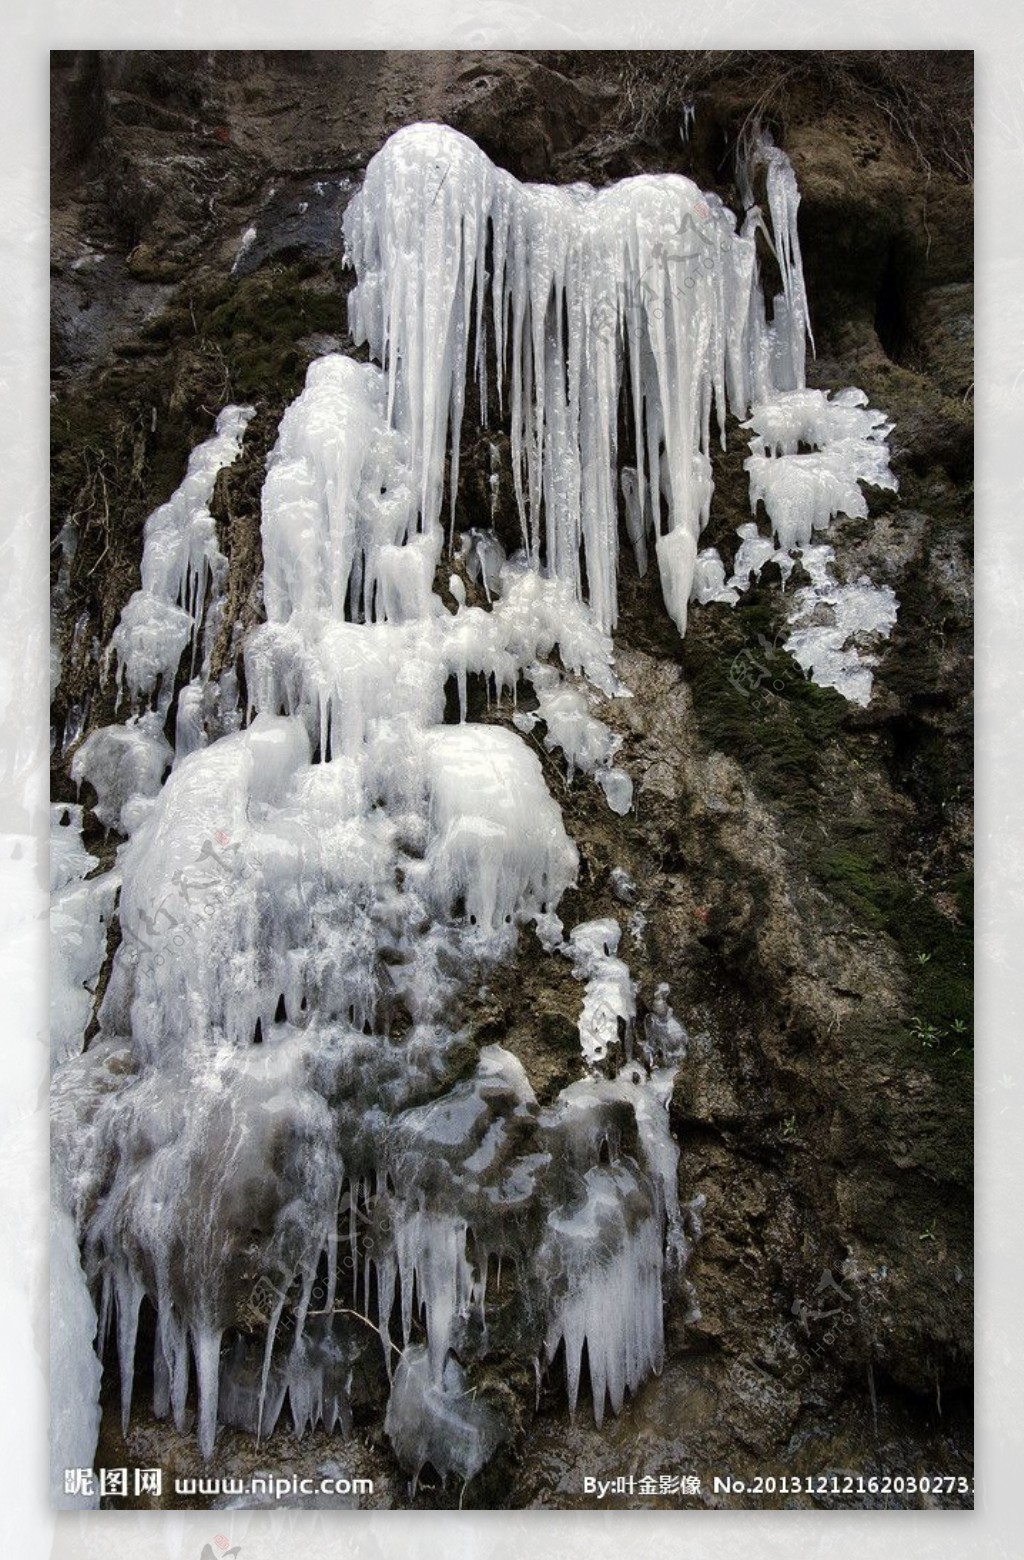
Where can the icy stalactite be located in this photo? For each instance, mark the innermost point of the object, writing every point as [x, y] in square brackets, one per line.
[603, 1257]
[337, 497]
[181, 565]
[791, 327]
[606, 1258]
[645, 283]
[804, 493]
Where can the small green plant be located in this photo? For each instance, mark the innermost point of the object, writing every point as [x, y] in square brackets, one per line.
[928, 1233]
[929, 1035]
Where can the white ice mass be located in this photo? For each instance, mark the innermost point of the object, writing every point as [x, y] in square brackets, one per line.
[276, 1146]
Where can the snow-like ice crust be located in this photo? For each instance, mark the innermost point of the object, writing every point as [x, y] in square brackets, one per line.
[827, 650]
[803, 490]
[275, 1138]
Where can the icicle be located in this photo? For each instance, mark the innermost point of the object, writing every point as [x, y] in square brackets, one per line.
[129, 1298]
[206, 1343]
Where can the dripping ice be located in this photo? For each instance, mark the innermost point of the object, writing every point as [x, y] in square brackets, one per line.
[647, 287]
[307, 897]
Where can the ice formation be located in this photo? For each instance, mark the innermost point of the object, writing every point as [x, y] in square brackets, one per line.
[74, 1368]
[81, 909]
[279, 1141]
[579, 296]
[645, 284]
[826, 621]
[181, 564]
[802, 493]
[609, 1003]
[302, 904]
[123, 763]
[810, 456]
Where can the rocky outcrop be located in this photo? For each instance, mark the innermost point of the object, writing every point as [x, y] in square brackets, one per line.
[802, 865]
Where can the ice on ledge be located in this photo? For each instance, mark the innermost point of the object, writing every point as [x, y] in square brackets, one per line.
[832, 626]
[804, 492]
[609, 1002]
[817, 419]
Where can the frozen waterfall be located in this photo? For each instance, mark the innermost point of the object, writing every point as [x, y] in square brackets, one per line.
[281, 1150]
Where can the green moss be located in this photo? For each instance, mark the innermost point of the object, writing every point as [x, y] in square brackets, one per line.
[753, 701]
[937, 950]
[256, 322]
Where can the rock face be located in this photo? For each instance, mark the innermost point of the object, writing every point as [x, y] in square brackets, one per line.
[801, 866]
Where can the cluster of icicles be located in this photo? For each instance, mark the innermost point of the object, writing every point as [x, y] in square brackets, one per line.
[278, 1138]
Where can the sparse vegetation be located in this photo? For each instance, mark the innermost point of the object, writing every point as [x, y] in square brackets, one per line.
[925, 95]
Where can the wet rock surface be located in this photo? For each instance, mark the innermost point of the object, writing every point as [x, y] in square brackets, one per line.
[802, 866]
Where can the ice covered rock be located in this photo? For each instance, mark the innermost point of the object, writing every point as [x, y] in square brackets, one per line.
[587, 743]
[622, 886]
[618, 789]
[183, 571]
[609, 1002]
[122, 762]
[709, 579]
[484, 558]
[664, 1036]
[835, 652]
[442, 1423]
[752, 554]
[499, 843]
